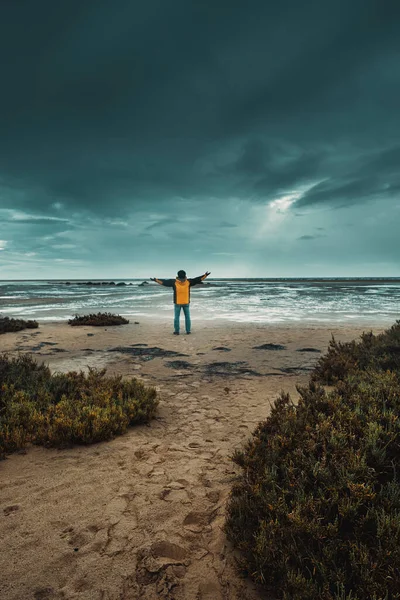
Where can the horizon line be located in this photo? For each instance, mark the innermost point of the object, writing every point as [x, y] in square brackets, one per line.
[328, 277]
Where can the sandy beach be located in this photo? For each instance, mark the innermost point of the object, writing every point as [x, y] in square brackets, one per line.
[142, 516]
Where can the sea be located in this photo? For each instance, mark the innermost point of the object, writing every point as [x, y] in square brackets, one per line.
[325, 300]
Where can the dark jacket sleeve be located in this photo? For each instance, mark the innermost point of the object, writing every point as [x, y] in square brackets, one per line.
[166, 282]
[197, 280]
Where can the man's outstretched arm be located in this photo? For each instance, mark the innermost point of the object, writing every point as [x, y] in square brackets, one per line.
[165, 282]
[197, 280]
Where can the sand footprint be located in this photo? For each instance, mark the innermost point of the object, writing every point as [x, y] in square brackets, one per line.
[122, 526]
[209, 590]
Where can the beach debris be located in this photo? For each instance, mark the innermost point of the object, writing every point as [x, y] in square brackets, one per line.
[10, 509]
[45, 593]
[98, 320]
[222, 349]
[270, 347]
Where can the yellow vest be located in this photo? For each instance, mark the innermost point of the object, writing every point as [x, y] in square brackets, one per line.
[182, 292]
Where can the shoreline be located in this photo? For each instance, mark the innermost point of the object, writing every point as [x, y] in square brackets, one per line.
[142, 515]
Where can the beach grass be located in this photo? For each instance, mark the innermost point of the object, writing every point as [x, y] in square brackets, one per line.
[316, 511]
[8, 324]
[60, 409]
[98, 320]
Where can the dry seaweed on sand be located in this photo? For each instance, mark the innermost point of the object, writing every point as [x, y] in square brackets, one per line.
[144, 351]
[316, 512]
[98, 320]
[60, 409]
[229, 369]
[8, 324]
[270, 347]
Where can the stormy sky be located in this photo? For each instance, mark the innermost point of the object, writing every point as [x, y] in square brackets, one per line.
[251, 138]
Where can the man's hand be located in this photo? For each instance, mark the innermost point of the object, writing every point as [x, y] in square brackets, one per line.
[207, 273]
[152, 278]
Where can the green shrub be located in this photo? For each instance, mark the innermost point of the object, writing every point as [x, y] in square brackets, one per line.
[7, 324]
[62, 409]
[98, 320]
[381, 352]
[316, 512]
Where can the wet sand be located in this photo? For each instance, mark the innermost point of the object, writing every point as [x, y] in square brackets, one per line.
[142, 516]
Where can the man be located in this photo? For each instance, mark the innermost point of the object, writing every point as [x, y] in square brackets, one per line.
[181, 287]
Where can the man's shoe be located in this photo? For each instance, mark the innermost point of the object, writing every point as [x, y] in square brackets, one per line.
[188, 332]
[176, 332]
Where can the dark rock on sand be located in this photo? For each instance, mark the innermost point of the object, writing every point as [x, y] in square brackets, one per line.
[269, 347]
[296, 370]
[308, 350]
[179, 364]
[43, 345]
[222, 349]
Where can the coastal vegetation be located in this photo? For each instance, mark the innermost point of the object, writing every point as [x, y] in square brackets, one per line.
[60, 409]
[8, 324]
[316, 511]
[98, 320]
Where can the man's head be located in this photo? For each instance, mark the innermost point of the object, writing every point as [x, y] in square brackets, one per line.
[181, 274]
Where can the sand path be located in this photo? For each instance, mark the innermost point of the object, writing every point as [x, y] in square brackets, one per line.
[142, 516]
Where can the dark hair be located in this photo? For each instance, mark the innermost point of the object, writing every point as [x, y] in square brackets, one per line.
[181, 274]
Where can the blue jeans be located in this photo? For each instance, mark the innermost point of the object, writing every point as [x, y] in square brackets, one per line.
[186, 310]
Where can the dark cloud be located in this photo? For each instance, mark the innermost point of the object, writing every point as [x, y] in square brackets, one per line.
[182, 108]
[100, 104]
[376, 178]
[225, 224]
[35, 221]
[161, 223]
